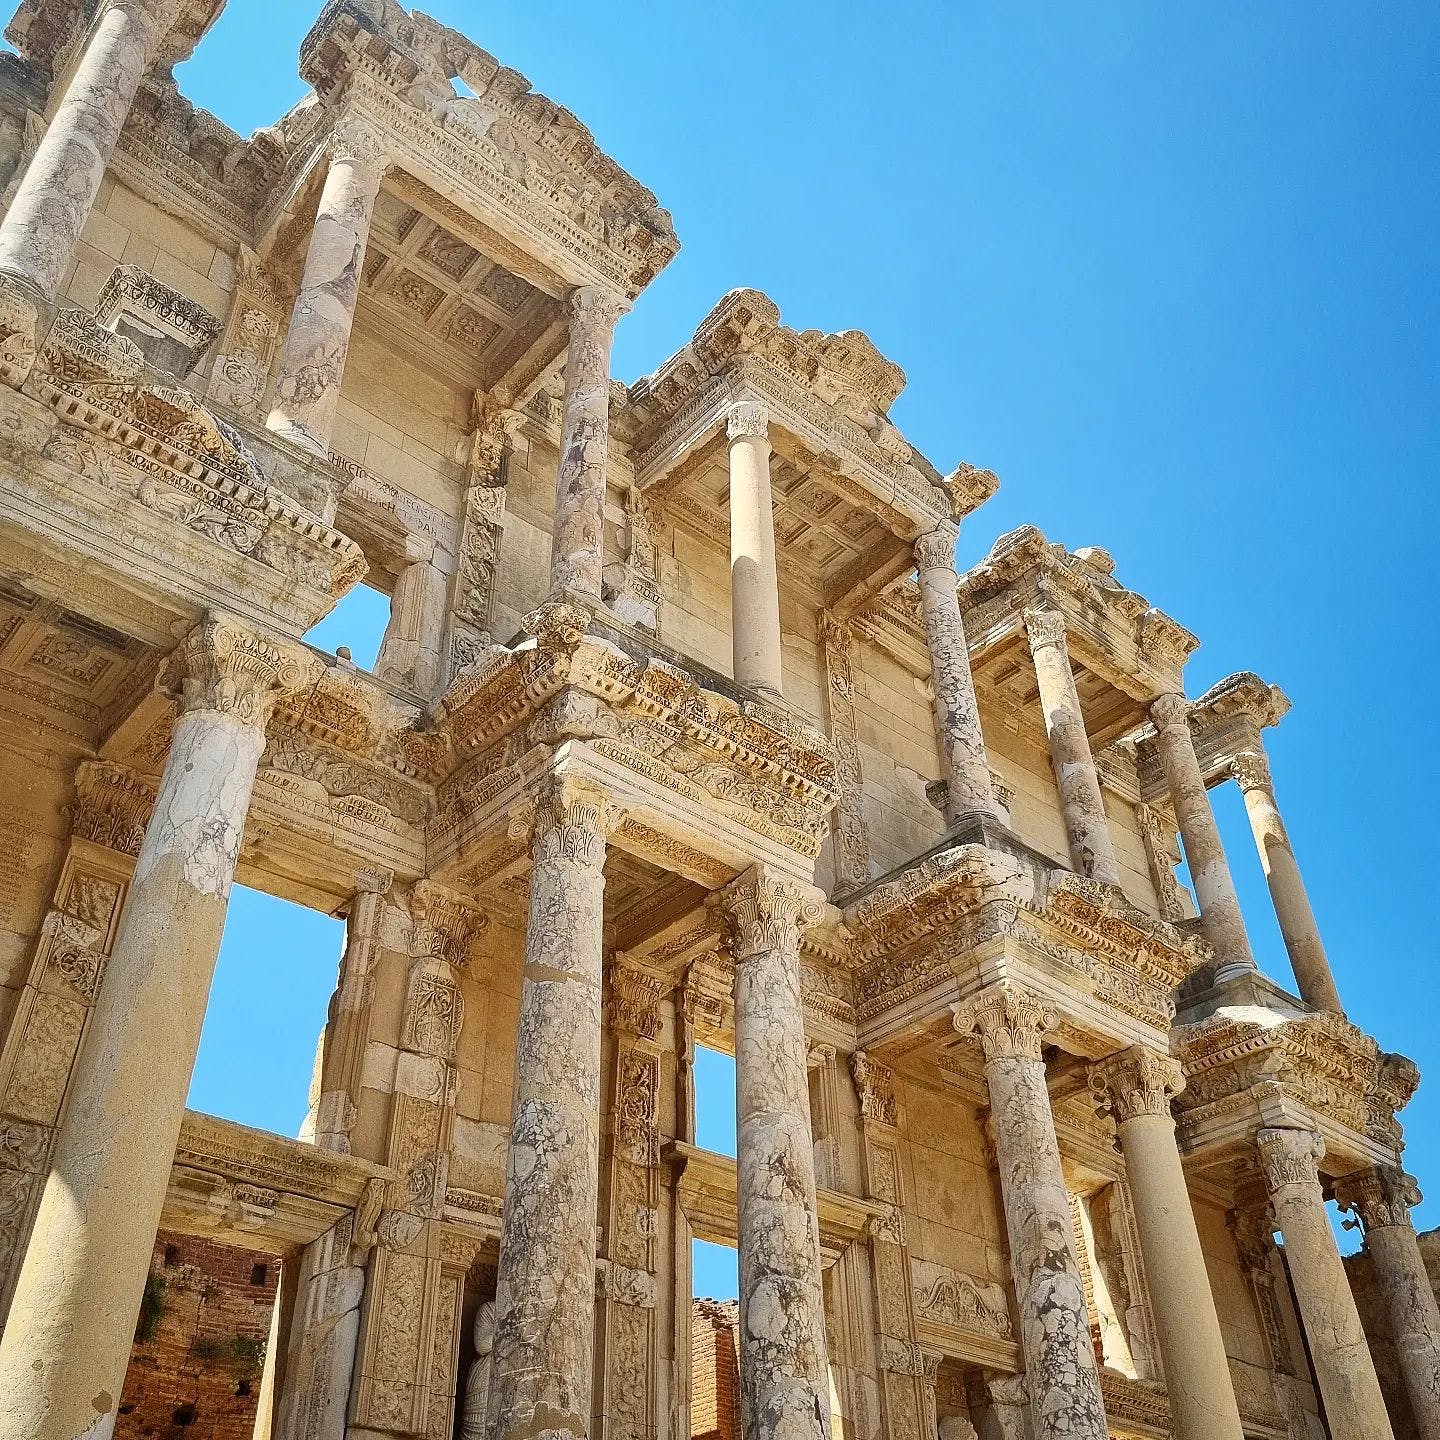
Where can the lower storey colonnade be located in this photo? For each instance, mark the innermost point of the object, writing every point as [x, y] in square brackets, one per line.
[65, 1348]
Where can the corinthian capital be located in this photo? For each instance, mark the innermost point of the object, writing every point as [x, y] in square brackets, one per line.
[1012, 1022]
[764, 914]
[360, 142]
[445, 922]
[1044, 627]
[220, 665]
[747, 417]
[1289, 1157]
[1380, 1196]
[1138, 1081]
[1252, 772]
[1169, 711]
[592, 307]
[936, 551]
[572, 822]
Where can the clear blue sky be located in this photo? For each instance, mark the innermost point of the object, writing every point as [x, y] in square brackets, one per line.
[1168, 270]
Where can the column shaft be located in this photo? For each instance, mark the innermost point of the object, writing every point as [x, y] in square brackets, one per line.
[1137, 1086]
[1382, 1196]
[578, 558]
[1313, 977]
[754, 578]
[1220, 917]
[545, 1287]
[1354, 1404]
[964, 765]
[1065, 1399]
[312, 364]
[411, 654]
[784, 1379]
[1076, 777]
[67, 1342]
[55, 196]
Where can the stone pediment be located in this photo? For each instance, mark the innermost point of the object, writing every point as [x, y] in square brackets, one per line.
[500, 143]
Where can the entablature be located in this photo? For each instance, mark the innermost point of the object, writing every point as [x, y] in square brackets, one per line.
[1124, 652]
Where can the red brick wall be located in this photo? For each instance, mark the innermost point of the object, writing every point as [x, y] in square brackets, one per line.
[197, 1375]
[714, 1370]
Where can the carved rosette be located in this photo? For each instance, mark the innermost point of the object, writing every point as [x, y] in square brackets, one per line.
[1289, 1157]
[876, 1087]
[1380, 1196]
[747, 419]
[765, 915]
[936, 551]
[222, 666]
[1138, 1081]
[1011, 1022]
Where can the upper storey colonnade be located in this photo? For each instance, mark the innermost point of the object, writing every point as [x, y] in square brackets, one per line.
[580, 753]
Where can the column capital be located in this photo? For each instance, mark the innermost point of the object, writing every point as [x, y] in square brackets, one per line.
[1012, 1022]
[573, 821]
[1137, 1081]
[875, 1085]
[1044, 627]
[1251, 771]
[747, 418]
[373, 881]
[445, 922]
[763, 913]
[936, 549]
[224, 666]
[360, 142]
[1380, 1196]
[1289, 1157]
[593, 307]
[1169, 711]
[1253, 1227]
[634, 999]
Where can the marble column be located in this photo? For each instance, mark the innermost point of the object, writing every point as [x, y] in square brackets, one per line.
[541, 1380]
[1381, 1197]
[1313, 976]
[55, 196]
[578, 558]
[67, 1343]
[754, 579]
[1076, 777]
[1354, 1405]
[1064, 1385]
[784, 1377]
[412, 652]
[964, 765]
[1221, 921]
[312, 364]
[1137, 1086]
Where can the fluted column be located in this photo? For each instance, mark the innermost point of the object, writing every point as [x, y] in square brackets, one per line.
[545, 1287]
[1381, 1197]
[411, 654]
[60, 184]
[1303, 944]
[578, 558]
[784, 1379]
[754, 579]
[964, 765]
[1137, 1087]
[1221, 921]
[1354, 1405]
[1064, 1385]
[1076, 777]
[67, 1341]
[312, 364]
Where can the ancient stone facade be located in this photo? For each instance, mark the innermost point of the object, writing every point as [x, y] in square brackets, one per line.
[684, 731]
